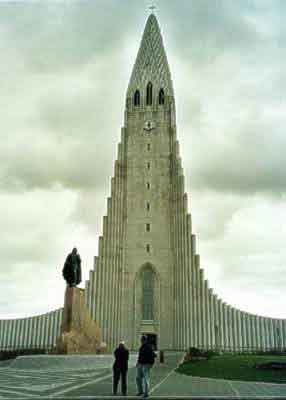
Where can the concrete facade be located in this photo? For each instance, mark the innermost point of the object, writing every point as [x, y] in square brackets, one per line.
[148, 226]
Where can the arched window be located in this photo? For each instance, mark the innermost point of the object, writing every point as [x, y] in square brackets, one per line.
[137, 98]
[148, 295]
[149, 94]
[161, 97]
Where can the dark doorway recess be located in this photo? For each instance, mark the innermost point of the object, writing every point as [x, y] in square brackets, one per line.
[152, 340]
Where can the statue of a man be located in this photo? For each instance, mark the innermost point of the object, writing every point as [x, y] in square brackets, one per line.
[72, 269]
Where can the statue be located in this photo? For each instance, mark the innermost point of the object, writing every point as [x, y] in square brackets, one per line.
[72, 269]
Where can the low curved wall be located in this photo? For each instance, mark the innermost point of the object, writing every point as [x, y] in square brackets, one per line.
[39, 332]
[218, 325]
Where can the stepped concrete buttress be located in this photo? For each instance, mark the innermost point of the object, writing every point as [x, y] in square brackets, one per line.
[79, 333]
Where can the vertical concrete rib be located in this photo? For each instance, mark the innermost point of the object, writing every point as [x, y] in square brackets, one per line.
[211, 324]
[253, 332]
[116, 222]
[91, 290]
[54, 316]
[207, 321]
[263, 333]
[194, 292]
[190, 279]
[258, 332]
[120, 236]
[243, 334]
[93, 293]
[216, 322]
[120, 242]
[108, 269]
[221, 325]
[87, 290]
[225, 326]
[180, 261]
[15, 332]
[12, 335]
[112, 214]
[7, 339]
[175, 240]
[186, 301]
[266, 329]
[284, 333]
[115, 211]
[51, 329]
[19, 343]
[57, 327]
[99, 284]
[238, 327]
[36, 332]
[105, 274]
[271, 339]
[234, 328]
[203, 309]
[43, 333]
[250, 332]
[180, 264]
[3, 335]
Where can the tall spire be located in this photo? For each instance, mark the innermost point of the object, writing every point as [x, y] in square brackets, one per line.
[151, 63]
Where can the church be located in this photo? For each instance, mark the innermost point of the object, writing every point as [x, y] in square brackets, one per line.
[146, 278]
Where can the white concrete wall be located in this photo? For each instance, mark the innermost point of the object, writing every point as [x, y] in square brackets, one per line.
[33, 332]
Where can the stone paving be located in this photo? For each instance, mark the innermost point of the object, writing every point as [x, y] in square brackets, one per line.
[87, 377]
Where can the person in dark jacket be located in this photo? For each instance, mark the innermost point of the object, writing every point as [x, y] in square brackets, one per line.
[120, 368]
[146, 359]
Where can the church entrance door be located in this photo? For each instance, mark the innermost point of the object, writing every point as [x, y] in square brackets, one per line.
[152, 339]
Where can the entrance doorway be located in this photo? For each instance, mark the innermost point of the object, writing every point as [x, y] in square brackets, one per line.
[152, 340]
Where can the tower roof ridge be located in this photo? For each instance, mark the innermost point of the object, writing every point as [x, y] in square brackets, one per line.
[151, 62]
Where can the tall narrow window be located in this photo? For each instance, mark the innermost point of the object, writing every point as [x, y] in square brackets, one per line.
[137, 98]
[149, 94]
[148, 248]
[161, 97]
[148, 295]
[148, 185]
[148, 146]
[148, 165]
[148, 227]
[148, 206]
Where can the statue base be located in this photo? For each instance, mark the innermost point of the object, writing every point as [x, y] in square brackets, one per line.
[80, 334]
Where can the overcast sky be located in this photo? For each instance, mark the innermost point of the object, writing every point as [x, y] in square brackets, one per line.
[64, 72]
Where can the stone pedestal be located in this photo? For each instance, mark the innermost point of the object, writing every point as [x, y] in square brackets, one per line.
[79, 333]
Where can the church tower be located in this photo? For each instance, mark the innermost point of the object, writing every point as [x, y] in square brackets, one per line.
[143, 266]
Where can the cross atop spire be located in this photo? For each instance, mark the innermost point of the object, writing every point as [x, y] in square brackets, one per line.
[151, 63]
[152, 8]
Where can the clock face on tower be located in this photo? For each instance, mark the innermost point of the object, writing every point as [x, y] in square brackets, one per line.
[149, 126]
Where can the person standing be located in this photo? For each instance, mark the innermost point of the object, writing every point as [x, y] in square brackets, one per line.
[120, 368]
[146, 359]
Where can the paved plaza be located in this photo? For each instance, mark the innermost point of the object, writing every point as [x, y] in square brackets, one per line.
[87, 377]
